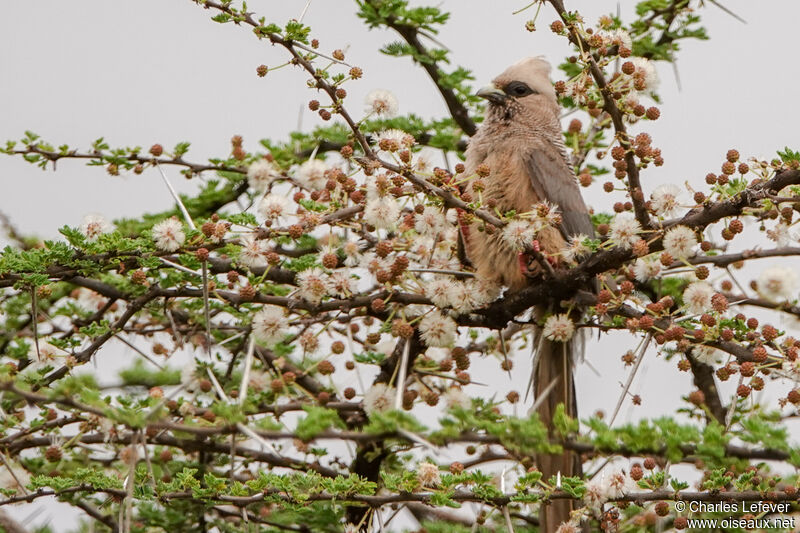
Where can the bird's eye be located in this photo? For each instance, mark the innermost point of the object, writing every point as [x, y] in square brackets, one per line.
[519, 89]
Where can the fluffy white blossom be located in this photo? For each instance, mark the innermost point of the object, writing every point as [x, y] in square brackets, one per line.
[483, 291]
[423, 161]
[313, 284]
[608, 486]
[382, 213]
[457, 398]
[697, 297]
[261, 174]
[441, 291]
[428, 475]
[394, 140]
[343, 284]
[269, 324]
[646, 268]
[430, 222]
[708, 355]
[617, 37]
[311, 174]
[46, 356]
[382, 103]
[379, 398]
[665, 199]
[780, 234]
[253, 252]
[680, 241]
[646, 69]
[437, 330]
[168, 234]
[558, 328]
[463, 298]
[352, 253]
[777, 283]
[95, 225]
[520, 233]
[624, 230]
[274, 206]
[576, 248]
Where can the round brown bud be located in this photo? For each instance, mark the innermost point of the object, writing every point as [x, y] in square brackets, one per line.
[747, 368]
[356, 73]
[608, 186]
[262, 70]
[585, 179]
[743, 168]
[201, 254]
[156, 150]
[338, 54]
[325, 367]
[666, 258]
[653, 113]
[560, 87]
[512, 396]
[295, 231]
[349, 393]
[732, 156]
[727, 234]
[697, 397]
[557, 26]
[247, 292]
[662, 508]
[736, 225]
[431, 398]
[794, 396]
[483, 170]
[701, 272]
[628, 68]
[722, 179]
[603, 229]
[752, 323]
[640, 248]
[378, 305]
[456, 467]
[759, 354]
[324, 114]
[575, 126]
[684, 365]
[639, 110]
[743, 391]
[330, 261]
[728, 168]
[53, 454]
[769, 332]
[680, 522]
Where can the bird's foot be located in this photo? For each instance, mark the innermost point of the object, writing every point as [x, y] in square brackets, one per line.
[528, 267]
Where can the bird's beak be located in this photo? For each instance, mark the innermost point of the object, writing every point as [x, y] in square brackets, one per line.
[492, 93]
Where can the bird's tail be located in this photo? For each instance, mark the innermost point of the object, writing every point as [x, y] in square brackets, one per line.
[553, 384]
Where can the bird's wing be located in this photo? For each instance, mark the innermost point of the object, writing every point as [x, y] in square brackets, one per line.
[553, 180]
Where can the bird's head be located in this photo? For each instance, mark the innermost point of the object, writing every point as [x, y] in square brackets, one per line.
[525, 84]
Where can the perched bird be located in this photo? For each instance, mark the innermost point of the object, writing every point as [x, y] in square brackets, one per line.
[520, 141]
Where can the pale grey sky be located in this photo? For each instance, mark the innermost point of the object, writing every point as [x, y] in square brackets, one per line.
[160, 71]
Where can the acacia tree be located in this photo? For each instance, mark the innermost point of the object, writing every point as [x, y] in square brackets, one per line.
[315, 288]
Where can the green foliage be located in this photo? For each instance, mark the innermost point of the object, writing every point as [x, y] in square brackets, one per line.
[317, 420]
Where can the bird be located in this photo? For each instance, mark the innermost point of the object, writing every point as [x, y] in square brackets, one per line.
[520, 153]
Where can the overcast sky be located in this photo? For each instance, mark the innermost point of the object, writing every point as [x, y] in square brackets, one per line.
[147, 71]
